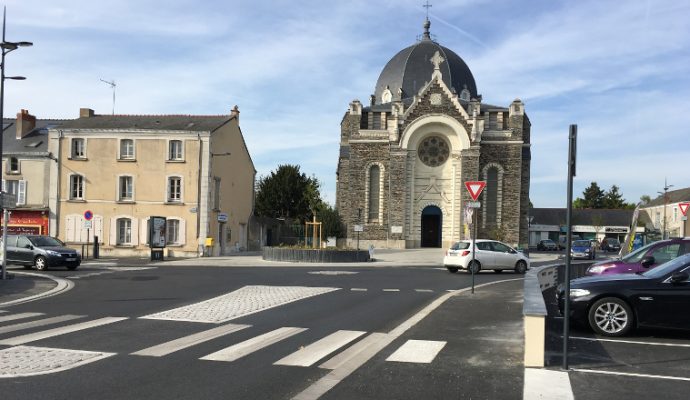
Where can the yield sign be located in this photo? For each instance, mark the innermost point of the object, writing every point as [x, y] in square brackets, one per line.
[683, 207]
[475, 188]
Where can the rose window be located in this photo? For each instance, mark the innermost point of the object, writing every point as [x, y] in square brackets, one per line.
[433, 151]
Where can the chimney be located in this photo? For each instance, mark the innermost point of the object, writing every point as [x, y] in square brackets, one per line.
[235, 113]
[25, 123]
[85, 113]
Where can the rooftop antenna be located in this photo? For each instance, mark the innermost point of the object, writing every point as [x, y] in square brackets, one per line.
[112, 85]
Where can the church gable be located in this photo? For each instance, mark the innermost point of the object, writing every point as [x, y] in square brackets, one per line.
[436, 99]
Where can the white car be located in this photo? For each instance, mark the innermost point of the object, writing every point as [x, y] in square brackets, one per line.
[489, 254]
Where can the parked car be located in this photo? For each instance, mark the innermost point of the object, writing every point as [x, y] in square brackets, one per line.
[547, 244]
[610, 244]
[642, 259]
[489, 255]
[40, 251]
[612, 305]
[582, 249]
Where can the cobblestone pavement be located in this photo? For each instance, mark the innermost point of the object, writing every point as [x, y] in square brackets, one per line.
[241, 302]
[29, 360]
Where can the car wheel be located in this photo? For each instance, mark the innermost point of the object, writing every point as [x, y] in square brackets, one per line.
[611, 316]
[521, 267]
[474, 267]
[452, 269]
[41, 263]
[498, 271]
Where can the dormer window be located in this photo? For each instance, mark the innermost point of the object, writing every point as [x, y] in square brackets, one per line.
[386, 96]
[465, 95]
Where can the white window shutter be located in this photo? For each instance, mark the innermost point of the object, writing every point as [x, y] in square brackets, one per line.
[69, 228]
[143, 238]
[135, 231]
[21, 195]
[97, 228]
[3, 186]
[112, 240]
[182, 235]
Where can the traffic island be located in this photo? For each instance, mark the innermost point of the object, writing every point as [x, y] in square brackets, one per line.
[314, 255]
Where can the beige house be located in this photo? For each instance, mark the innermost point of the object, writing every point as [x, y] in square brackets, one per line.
[664, 213]
[193, 170]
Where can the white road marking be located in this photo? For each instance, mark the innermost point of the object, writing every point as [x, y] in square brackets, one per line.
[309, 355]
[333, 273]
[12, 317]
[32, 337]
[547, 384]
[391, 290]
[424, 290]
[189, 341]
[417, 351]
[30, 361]
[593, 371]
[239, 303]
[630, 342]
[40, 322]
[327, 382]
[247, 347]
[352, 351]
[358, 290]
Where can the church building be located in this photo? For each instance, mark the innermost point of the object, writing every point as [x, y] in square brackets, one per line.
[404, 157]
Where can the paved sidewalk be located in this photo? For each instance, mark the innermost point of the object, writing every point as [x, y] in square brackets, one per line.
[23, 286]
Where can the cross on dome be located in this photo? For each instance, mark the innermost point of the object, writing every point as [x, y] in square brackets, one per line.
[437, 59]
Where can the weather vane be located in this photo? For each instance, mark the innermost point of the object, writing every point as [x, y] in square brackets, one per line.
[427, 5]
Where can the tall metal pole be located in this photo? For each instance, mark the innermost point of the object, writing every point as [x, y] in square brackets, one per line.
[2, 136]
[572, 150]
[474, 246]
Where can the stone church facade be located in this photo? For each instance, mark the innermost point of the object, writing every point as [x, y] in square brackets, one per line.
[404, 158]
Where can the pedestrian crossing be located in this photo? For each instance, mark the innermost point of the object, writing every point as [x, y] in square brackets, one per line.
[328, 352]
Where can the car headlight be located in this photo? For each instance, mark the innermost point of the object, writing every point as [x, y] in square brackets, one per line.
[587, 250]
[599, 269]
[52, 253]
[578, 292]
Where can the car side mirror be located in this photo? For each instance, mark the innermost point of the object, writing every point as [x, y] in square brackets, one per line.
[679, 277]
[647, 261]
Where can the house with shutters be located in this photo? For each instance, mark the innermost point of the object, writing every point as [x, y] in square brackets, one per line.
[194, 170]
[26, 162]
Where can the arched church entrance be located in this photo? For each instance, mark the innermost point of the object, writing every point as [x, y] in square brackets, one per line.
[432, 222]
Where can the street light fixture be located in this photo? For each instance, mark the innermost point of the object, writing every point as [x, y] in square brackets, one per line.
[6, 47]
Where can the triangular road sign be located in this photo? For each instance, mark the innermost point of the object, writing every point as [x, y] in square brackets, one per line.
[475, 188]
[683, 207]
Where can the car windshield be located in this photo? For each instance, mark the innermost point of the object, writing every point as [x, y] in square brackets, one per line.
[668, 267]
[460, 246]
[613, 241]
[637, 255]
[581, 243]
[45, 241]
[548, 241]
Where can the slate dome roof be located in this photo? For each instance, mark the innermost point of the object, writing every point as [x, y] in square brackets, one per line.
[411, 68]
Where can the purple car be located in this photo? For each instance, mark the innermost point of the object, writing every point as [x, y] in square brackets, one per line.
[644, 258]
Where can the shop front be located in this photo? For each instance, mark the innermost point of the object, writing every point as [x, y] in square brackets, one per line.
[26, 222]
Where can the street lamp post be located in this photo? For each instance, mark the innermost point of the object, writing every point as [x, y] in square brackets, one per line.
[666, 188]
[6, 48]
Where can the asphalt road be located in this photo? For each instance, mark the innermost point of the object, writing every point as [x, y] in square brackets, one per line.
[351, 304]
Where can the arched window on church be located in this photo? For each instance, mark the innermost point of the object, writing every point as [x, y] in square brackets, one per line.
[374, 202]
[491, 195]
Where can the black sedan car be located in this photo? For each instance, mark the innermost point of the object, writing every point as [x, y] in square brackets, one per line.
[614, 304]
[547, 244]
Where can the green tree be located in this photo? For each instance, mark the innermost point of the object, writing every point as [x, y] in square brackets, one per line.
[287, 193]
[614, 199]
[332, 223]
[592, 197]
[645, 199]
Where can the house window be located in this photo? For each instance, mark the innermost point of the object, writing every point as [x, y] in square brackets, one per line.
[126, 188]
[126, 149]
[374, 193]
[124, 231]
[78, 148]
[16, 188]
[174, 189]
[13, 166]
[76, 185]
[172, 234]
[175, 150]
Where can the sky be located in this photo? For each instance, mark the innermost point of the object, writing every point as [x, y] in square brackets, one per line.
[617, 69]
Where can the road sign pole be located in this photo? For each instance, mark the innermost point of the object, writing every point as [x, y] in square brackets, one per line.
[474, 246]
[86, 257]
[5, 217]
[572, 151]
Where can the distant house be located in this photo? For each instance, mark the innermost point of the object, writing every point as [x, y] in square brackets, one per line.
[550, 223]
[194, 170]
[25, 165]
[665, 216]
